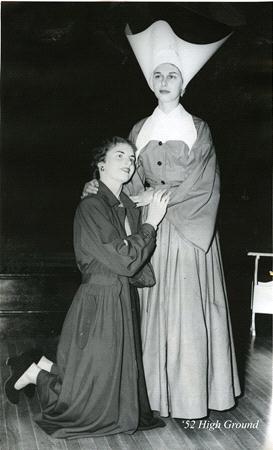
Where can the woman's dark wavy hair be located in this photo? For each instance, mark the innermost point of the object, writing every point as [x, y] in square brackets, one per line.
[101, 150]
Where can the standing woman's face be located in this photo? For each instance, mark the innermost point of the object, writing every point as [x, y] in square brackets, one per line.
[167, 83]
[119, 164]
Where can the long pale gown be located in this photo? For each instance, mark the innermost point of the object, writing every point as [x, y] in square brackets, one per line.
[188, 351]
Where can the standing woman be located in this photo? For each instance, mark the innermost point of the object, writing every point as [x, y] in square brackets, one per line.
[97, 387]
[188, 352]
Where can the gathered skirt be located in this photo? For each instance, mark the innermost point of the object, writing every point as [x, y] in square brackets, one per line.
[97, 386]
[188, 352]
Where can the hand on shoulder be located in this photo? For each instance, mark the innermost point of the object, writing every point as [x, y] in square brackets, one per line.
[91, 187]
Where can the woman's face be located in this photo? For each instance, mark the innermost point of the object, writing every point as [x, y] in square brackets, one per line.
[167, 83]
[119, 164]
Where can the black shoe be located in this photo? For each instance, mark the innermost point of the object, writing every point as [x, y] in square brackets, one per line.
[11, 392]
[33, 355]
[19, 364]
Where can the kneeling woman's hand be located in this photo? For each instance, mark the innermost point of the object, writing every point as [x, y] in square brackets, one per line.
[144, 198]
[158, 207]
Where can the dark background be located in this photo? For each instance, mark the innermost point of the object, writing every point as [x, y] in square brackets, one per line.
[69, 78]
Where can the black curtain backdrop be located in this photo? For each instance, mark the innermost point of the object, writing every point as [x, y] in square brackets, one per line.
[69, 78]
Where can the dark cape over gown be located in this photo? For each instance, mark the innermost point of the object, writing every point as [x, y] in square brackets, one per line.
[97, 386]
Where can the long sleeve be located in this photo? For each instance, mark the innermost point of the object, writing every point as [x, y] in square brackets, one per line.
[96, 238]
[193, 206]
[145, 276]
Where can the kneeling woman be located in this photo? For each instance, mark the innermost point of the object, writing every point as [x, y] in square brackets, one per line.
[97, 386]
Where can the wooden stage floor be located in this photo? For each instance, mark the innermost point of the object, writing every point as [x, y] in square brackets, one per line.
[221, 430]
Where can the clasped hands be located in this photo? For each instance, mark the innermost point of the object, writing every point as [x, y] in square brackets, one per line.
[156, 199]
[142, 199]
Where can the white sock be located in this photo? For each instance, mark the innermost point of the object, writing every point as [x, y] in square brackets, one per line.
[28, 377]
[45, 364]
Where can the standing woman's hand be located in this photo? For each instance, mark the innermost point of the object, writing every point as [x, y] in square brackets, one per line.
[158, 207]
[90, 188]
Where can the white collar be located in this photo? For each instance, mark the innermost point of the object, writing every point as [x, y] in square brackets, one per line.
[177, 125]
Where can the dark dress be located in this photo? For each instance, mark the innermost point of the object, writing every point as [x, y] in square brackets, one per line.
[97, 386]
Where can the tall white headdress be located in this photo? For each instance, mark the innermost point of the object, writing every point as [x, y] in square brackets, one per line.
[159, 44]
